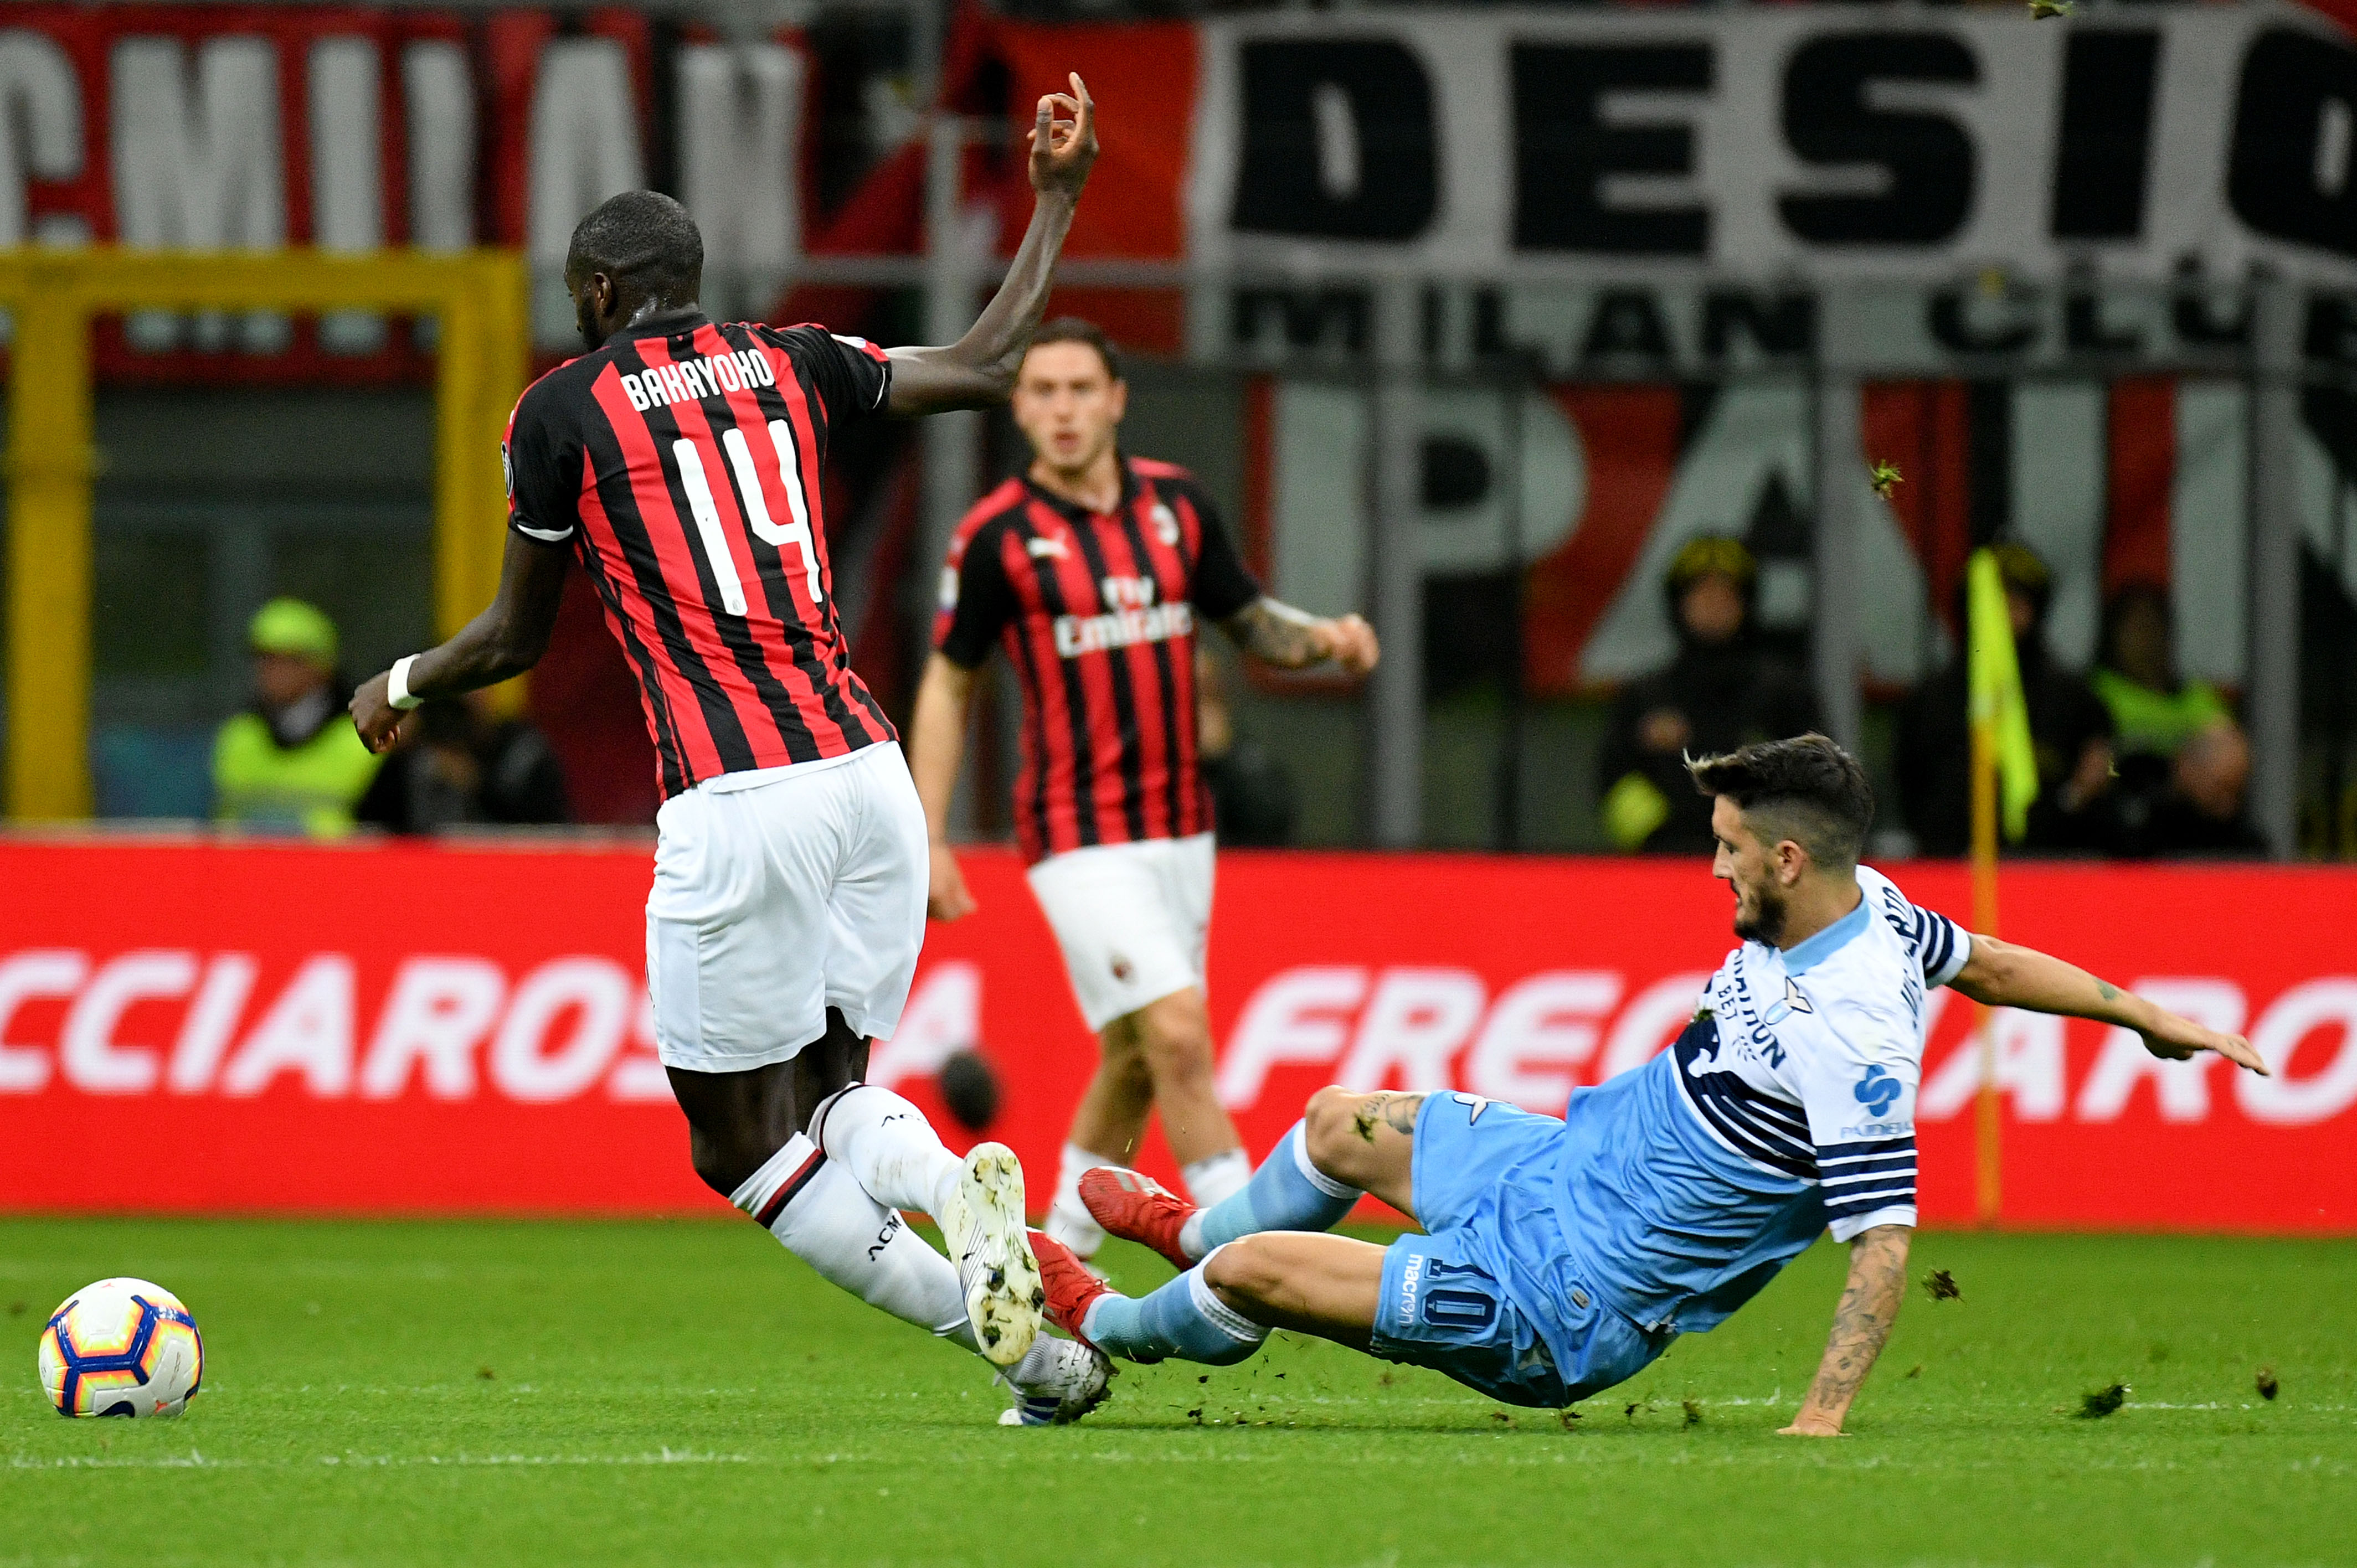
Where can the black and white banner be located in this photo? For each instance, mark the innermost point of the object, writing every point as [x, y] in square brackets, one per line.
[1814, 142]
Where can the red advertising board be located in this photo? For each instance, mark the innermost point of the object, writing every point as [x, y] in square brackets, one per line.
[208, 1027]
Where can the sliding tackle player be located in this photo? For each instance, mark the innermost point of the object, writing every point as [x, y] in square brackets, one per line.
[1564, 1256]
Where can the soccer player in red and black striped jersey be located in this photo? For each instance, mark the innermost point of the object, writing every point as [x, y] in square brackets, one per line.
[1089, 571]
[678, 461]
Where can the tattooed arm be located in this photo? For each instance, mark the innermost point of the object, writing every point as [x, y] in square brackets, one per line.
[1275, 632]
[2004, 974]
[1870, 1305]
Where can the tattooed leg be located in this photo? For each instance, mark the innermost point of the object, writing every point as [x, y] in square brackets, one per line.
[1396, 1111]
[1366, 1141]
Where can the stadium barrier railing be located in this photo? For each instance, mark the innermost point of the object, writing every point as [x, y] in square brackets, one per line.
[54, 296]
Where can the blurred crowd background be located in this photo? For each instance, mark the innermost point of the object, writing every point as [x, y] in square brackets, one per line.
[1588, 511]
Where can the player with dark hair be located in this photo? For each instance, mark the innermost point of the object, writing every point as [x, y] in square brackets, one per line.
[678, 460]
[1089, 570]
[1565, 1255]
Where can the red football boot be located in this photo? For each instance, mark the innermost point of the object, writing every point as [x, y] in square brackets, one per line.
[1071, 1284]
[1138, 1209]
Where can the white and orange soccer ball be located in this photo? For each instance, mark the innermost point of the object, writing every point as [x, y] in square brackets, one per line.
[121, 1348]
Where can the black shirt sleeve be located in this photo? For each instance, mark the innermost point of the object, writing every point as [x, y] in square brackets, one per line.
[853, 375]
[1221, 586]
[543, 469]
[977, 601]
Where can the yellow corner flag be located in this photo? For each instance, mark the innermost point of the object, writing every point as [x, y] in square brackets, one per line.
[2000, 717]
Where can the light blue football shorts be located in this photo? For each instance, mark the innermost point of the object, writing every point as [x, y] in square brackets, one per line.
[1489, 1294]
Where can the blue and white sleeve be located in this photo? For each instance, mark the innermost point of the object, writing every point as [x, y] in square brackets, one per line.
[1939, 944]
[1861, 1109]
[1946, 946]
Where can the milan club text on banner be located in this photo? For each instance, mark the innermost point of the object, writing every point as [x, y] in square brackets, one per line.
[402, 1029]
[1780, 140]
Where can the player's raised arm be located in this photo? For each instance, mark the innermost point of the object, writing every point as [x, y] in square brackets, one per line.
[1869, 1305]
[2005, 975]
[978, 370]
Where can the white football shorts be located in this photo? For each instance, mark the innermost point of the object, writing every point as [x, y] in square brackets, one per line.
[780, 893]
[1133, 919]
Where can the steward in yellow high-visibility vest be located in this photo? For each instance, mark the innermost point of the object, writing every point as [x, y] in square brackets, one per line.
[292, 761]
[2154, 711]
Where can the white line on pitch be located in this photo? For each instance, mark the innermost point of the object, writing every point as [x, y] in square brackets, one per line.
[197, 1461]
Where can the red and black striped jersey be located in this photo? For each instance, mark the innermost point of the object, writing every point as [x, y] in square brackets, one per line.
[1096, 612]
[681, 460]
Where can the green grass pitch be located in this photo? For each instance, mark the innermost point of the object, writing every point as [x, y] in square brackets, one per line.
[685, 1393]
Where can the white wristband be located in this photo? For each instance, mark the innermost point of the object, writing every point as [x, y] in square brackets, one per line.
[396, 685]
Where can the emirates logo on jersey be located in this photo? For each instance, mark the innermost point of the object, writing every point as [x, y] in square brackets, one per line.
[1134, 618]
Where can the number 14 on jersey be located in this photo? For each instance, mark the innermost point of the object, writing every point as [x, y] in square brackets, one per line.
[757, 508]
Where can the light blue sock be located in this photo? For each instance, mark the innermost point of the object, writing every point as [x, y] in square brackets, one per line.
[1288, 1193]
[1182, 1319]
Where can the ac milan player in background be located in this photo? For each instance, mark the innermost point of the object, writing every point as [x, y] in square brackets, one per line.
[1089, 570]
[679, 460]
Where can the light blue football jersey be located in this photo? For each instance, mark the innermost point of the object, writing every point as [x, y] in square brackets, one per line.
[1787, 1106]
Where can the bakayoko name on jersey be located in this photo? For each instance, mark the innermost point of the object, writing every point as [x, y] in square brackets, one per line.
[694, 380]
[681, 460]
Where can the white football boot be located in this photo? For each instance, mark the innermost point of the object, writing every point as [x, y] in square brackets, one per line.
[1079, 1380]
[982, 1225]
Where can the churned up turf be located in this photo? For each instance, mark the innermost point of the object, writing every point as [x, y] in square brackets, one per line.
[685, 1393]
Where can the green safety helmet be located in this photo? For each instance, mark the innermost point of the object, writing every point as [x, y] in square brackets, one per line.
[293, 627]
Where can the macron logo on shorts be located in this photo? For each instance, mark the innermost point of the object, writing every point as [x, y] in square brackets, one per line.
[1411, 1280]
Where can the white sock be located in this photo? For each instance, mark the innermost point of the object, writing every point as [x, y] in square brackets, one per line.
[889, 1147]
[1191, 1236]
[815, 1207]
[1068, 1219]
[1217, 1176]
